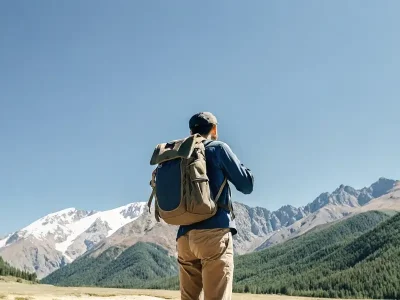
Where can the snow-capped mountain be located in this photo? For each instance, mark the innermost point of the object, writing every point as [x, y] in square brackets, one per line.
[64, 236]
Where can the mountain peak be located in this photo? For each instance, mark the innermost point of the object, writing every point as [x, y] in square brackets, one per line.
[287, 206]
[384, 180]
[347, 195]
[132, 210]
[63, 211]
[382, 187]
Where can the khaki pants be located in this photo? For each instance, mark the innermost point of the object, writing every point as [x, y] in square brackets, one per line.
[206, 263]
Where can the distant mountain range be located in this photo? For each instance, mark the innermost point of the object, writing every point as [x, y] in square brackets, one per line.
[58, 239]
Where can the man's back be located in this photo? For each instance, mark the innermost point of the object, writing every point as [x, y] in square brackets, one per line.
[222, 163]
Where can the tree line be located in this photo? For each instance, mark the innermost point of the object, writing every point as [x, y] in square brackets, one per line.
[7, 270]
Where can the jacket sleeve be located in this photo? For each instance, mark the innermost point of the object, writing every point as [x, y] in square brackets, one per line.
[240, 176]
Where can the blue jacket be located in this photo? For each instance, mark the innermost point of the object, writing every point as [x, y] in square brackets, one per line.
[221, 162]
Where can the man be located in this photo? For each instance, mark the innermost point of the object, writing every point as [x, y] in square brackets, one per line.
[205, 249]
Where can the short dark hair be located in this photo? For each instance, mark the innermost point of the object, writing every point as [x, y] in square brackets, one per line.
[203, 130]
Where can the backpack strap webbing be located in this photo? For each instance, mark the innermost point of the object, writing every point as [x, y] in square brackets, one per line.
[156, 211]
[228, 207]
[221, 190]
[154, 195]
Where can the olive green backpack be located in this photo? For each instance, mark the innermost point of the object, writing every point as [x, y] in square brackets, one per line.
[180, 184]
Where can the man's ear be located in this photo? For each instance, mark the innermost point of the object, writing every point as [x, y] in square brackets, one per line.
[213, 130]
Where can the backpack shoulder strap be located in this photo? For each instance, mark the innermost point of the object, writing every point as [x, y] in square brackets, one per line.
[228, 207]
[221, 189]
[153, 195]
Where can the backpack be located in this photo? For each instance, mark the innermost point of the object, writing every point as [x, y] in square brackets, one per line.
[180, 185]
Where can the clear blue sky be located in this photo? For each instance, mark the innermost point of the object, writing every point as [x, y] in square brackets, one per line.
[307, 94]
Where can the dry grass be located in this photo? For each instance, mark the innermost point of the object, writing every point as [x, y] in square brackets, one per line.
[2, 296]
[20, 291]
[101, 295]
[14, 279]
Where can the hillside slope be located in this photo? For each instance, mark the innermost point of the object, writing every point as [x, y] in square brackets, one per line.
[346, 259]
[133, 267]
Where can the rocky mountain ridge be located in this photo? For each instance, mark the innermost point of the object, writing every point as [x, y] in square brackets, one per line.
[342, 203]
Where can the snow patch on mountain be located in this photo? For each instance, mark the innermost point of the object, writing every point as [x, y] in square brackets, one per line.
[57, 224]
[115, 218]
[4, 241]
